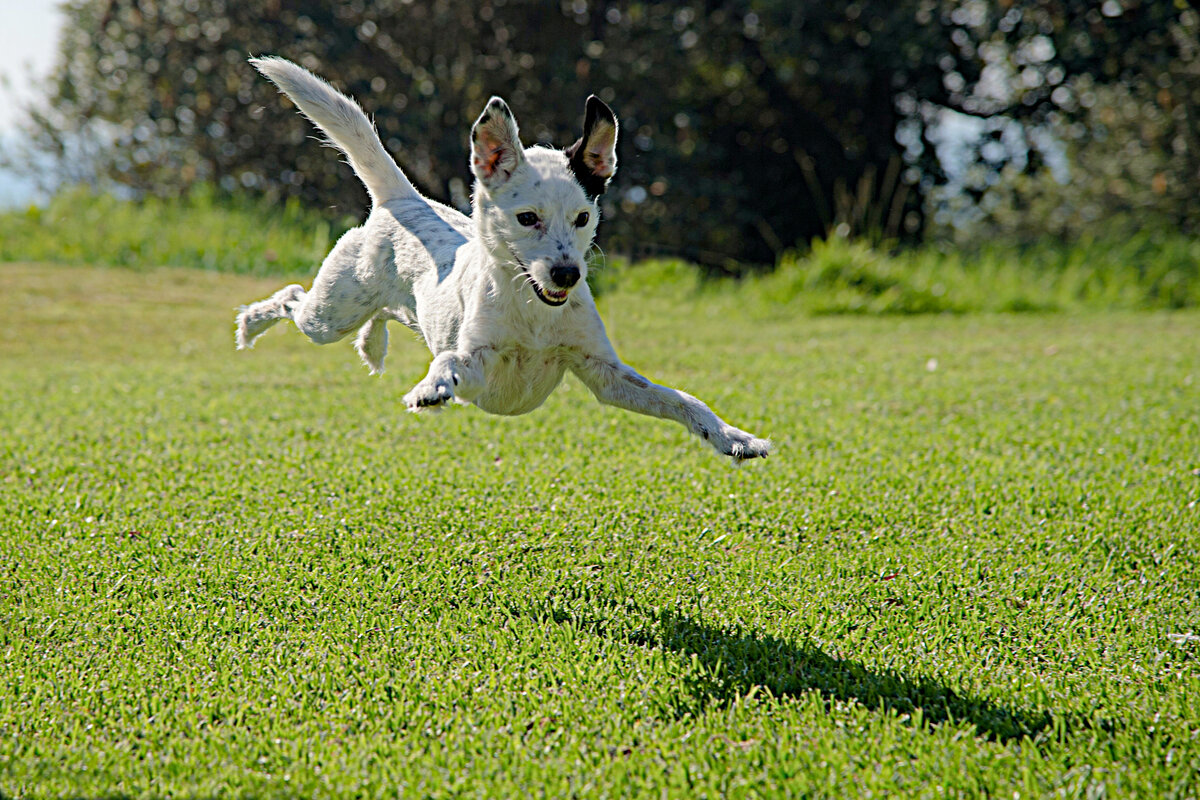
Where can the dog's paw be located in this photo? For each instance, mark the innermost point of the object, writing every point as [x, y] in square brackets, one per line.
[429, 394]
[741, 446]
[248, 328]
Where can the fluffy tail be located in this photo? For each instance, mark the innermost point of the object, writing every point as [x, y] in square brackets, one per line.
[345, 124]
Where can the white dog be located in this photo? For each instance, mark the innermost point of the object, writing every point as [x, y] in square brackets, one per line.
[467, 285]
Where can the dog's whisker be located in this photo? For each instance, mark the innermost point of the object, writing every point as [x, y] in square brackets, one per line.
[603, 262]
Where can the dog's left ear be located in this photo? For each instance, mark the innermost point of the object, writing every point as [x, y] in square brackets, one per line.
[593, 158]
[495, 145]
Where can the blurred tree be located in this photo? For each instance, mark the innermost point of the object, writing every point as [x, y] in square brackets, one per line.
[1130, 174]
[747, 125]
[1110, 89]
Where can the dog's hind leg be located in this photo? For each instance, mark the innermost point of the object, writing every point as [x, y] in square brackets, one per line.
[340, 301]
[254, 319]
[334, 307]
[372, 342]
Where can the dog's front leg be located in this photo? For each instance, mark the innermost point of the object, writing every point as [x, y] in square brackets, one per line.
[618, 384]
[450, 373]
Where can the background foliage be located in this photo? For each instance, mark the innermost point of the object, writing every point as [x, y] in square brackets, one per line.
[748, 125]
[1127, 142]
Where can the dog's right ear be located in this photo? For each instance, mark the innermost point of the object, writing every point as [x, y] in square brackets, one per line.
[495, 145]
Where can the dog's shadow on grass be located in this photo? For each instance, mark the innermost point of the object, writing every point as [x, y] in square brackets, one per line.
[736, 663]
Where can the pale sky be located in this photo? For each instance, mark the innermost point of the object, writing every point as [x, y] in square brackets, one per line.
[28, 38]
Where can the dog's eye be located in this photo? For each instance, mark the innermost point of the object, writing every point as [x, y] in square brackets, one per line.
[527, 218]
[582, 219]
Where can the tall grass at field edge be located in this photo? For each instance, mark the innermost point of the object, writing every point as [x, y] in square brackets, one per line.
[1149, 269]
[200, 230]
[843, 276]
[839, 276]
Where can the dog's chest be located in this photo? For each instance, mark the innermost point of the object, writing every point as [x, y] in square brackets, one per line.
[518, 378]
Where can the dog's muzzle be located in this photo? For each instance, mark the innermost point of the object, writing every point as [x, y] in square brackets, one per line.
[564, 275]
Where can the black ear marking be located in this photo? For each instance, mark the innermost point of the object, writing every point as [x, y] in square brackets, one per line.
[595, 110]
[593, 158]
[497, 106]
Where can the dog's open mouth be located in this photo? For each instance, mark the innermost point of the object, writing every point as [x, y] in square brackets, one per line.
[550, 297]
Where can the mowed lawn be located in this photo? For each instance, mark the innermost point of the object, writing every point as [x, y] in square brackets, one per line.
[972, 567]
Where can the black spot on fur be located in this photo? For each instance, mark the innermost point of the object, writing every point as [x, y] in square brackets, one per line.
[499, 105]
[495, 107]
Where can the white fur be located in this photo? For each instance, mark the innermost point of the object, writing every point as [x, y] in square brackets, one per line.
[479, 290]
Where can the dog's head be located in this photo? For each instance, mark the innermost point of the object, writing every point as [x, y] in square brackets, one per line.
[536, 208]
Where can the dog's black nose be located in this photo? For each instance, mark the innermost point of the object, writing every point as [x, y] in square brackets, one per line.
[565, 275]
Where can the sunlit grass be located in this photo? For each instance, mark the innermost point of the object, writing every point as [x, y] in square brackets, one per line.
[968, 570]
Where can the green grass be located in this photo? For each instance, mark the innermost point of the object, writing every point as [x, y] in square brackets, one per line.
[198, 230]
[1149, 270]
[254, 575]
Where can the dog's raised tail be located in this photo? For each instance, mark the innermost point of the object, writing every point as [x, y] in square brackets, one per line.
[344, 123]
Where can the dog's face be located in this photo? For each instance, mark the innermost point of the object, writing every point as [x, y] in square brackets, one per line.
[536, 208]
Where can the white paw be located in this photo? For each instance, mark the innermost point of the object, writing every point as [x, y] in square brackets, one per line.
[247, 329]
[429, 393]
[739, 445]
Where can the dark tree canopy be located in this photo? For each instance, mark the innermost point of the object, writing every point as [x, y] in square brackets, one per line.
[747, 126]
